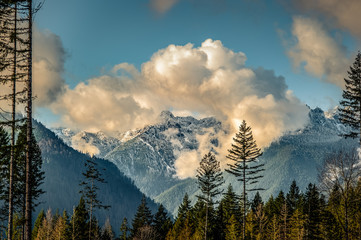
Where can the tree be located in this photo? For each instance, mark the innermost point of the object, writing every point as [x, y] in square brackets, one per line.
[143, 217]
[124, 229]
[161, 222]
[79, 221]
[89, 192]
[350, 109]
[245, 167]
[210, 178]
[293, 197]
[38, 222]
[107, 231]
[340, 174]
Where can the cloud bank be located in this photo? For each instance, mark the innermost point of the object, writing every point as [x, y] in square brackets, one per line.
[317, 52]
[343, 14]
[210, 80]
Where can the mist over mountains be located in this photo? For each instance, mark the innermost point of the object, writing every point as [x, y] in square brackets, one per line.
[159, 157]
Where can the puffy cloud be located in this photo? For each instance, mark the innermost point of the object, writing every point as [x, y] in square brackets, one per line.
[162, 6]
[48, 67]
[317, 51]
[344, 14]
[209, 80]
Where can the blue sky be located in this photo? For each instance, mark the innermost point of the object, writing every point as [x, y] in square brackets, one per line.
[96, 36]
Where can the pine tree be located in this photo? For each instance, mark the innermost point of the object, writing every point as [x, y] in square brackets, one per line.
[90, 187]
[244, 154]
[184, 208]
[313, 208]
[232, 230]
[107, 231]
[38, 222]
[293, 197]
[161, 222]
[210, 178]
[143, 217]
[124, 229]
[350, 109]
[4, 171]
[79, 222]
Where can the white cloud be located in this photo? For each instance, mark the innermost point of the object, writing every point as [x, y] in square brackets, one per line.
[343, 14]
[320, 54]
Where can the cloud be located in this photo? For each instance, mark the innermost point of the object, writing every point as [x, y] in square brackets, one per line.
[162, 6]
[317, 52]
[80, 144]
[48, 67]
[210, 80]
[343, 14]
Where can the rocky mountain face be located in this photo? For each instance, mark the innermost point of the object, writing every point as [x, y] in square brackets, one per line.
[148, 155]
[63, 167]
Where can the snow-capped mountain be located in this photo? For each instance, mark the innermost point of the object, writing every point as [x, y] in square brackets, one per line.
[148, 155]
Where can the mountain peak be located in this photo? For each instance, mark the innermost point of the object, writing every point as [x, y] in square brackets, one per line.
[166, 115]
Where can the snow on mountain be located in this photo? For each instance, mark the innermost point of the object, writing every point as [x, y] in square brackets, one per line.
[148, 155]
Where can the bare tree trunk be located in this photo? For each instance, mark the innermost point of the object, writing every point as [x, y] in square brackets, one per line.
[91, 213]
[244, 199]
[11, 207]
[28, 207]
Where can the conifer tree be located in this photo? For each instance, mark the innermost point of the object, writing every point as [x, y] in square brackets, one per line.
[107, 231]
[161, 222]
[79, 221]
[184, 208]
[350, 109]
[124, 229]
[38, 222]
[90, 187]
[293, 197]
[210, 178]
[143, 217]
[244, 154]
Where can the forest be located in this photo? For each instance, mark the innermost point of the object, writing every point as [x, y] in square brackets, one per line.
[329, 209]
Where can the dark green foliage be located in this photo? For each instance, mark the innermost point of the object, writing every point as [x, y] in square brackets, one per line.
[162, 222]
[38, 222]
[79, 221]
[350, 109]
[142, 218]
[293, 197]
[257, 201]
[4, 171]
[184, 208]
[314, 206]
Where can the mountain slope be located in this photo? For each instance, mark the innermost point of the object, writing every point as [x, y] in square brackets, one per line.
[63, 168]
[148, 156]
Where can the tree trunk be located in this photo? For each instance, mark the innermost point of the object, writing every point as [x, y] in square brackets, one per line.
[11, 207]
[244, 199]
[28, 207]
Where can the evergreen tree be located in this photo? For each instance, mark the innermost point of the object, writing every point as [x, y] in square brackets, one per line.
[143, 217]
[232, 230]
[210, 178]
[161, 222]
[107, 231]
[350, 109]
[79, 221]
[38, 222]
[313, 208]
[257, 201]
[90, 187]
[293, 197]
[4, 171]
[124, 229]
[244, 154]
[184, 208]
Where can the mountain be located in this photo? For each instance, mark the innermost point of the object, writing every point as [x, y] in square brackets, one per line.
[148, 155]
[63, 167]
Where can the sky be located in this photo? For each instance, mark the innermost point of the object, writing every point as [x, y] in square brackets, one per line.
[115, 65]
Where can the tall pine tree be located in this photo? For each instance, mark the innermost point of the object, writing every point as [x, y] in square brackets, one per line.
[245, 167]
[210, 178]
[350, 109]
